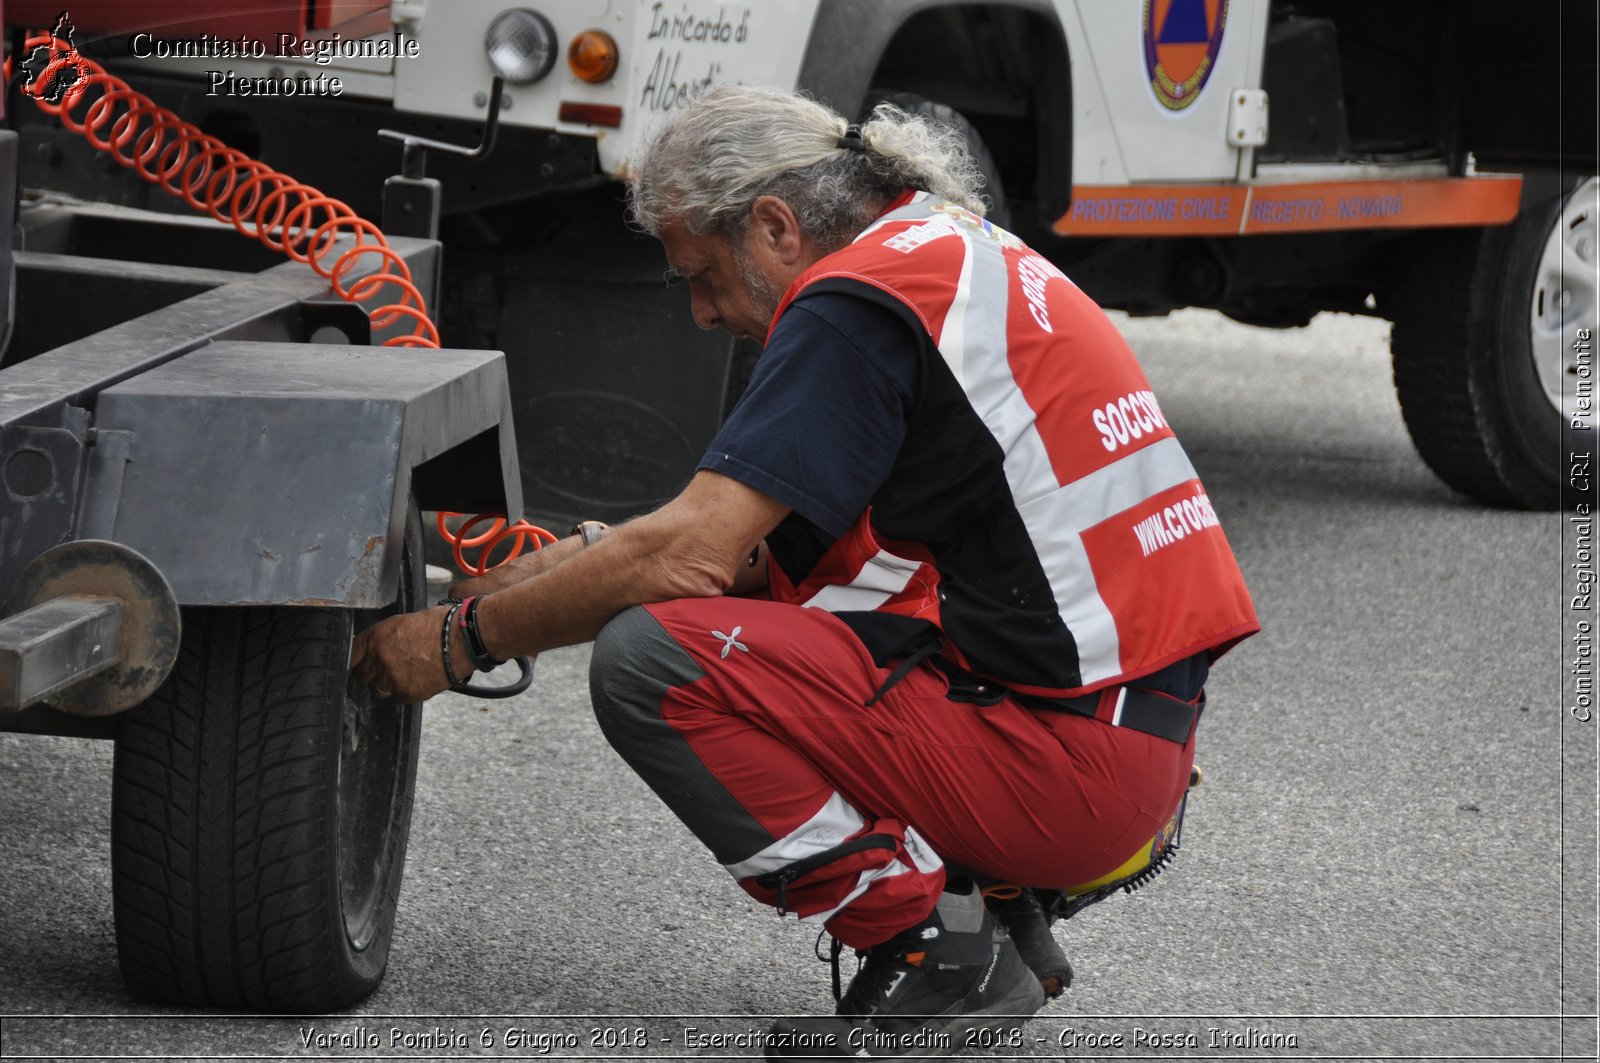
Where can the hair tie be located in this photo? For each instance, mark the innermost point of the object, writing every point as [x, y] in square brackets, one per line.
[851, 141]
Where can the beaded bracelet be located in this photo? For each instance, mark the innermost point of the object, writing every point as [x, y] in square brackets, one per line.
[444, 648]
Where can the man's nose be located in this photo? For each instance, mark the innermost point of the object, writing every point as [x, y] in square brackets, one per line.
[704, 310]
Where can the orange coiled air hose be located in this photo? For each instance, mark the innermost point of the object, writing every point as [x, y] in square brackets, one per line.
[280, 212]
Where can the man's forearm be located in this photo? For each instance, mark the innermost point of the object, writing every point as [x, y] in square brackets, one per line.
[569, 602]
[693, 547]
[518, 569]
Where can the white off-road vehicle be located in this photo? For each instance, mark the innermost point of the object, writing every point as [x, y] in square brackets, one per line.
[1426, 161]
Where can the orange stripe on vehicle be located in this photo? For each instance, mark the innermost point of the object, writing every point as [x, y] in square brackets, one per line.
[1382, 204]
[1154, 210]
[1253, 210]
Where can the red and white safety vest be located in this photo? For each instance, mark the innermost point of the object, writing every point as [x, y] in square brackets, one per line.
[1042, 514]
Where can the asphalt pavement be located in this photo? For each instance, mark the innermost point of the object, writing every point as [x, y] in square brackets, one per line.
[1392, 853]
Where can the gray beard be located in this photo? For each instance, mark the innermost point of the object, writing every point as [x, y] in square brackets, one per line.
[764, 294]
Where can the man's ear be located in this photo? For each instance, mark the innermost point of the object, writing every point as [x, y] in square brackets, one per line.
[777, 230]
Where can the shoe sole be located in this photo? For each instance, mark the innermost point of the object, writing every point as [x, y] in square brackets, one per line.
[1016, 1007]
[1011, 1011]
[1019, 1004]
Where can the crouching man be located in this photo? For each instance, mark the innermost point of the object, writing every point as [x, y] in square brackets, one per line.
[936, 611]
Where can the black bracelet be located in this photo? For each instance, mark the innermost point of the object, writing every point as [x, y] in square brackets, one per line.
[477, 649]
[444, 648]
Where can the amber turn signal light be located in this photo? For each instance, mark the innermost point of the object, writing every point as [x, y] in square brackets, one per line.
[593, 56]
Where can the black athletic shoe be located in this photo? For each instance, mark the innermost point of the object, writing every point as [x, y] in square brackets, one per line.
[921, 993]
[1024, 919]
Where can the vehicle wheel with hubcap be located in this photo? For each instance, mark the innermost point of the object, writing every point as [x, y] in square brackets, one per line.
[1489, 361]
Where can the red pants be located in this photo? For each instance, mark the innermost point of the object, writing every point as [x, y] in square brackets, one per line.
[748, 718]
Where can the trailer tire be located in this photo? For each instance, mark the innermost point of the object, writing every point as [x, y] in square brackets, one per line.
[1466, 332]
[993, 190]
[260, 810]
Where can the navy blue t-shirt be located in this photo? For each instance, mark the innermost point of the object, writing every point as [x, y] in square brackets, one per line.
[822, 421]
[826, 409]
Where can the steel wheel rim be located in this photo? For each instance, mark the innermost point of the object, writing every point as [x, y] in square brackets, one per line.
[371, 750]
[375, 746]
[1564, 298]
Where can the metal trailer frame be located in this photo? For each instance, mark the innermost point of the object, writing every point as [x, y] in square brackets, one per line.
[240, 434]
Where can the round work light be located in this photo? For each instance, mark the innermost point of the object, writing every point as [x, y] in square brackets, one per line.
[521, 45]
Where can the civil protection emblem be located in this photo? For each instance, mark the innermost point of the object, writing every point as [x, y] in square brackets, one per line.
[1181, 42]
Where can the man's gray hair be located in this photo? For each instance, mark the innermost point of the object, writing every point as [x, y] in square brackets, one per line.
[707, 165]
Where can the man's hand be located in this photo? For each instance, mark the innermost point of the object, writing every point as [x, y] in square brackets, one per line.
[696, 545]
[400, 658]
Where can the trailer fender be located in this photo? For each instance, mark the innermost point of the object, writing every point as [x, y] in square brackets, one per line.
[281, 473]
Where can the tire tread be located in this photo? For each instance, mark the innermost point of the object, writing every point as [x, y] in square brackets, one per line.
[221, 806]
[1450, 291]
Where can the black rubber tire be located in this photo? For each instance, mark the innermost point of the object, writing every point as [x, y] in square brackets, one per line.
[260, 810]
[993, 188]
[1463, 361]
